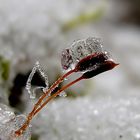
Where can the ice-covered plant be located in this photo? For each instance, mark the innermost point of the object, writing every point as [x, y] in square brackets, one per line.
[87, 57]
[9, 123]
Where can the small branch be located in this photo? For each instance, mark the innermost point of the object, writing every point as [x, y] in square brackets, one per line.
[57, 93]
[34, 111]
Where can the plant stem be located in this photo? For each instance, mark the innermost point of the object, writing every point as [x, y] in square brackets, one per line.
[57, 93]
[32, 113]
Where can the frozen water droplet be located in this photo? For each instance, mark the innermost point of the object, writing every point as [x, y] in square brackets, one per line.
[63, 94]
[107, 55]
[65, 79]
[32, 96]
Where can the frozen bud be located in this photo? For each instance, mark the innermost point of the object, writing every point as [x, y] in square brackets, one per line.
[79, 50]
[90, 62]
[87, 56]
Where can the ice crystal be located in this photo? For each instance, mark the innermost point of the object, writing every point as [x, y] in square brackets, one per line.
[78, 50]
[63, 94]
[9, 122]
[5, 114]
[43, 75]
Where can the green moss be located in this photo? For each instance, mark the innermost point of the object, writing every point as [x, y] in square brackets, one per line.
[4, 69]
[82, 19]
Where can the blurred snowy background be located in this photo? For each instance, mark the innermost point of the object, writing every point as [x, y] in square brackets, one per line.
[103, 108]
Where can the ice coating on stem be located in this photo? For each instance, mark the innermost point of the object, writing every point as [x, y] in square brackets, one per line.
[43, 75]
[7, 130]
[5, 114]
[9, 123]
[78, 50]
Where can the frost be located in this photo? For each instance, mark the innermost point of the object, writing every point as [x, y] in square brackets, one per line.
[7, 130]
[9, 123]
[66, 59]
[94, 44]
[5, 114]
[78, 50]
[87, 56]
[43, 75]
